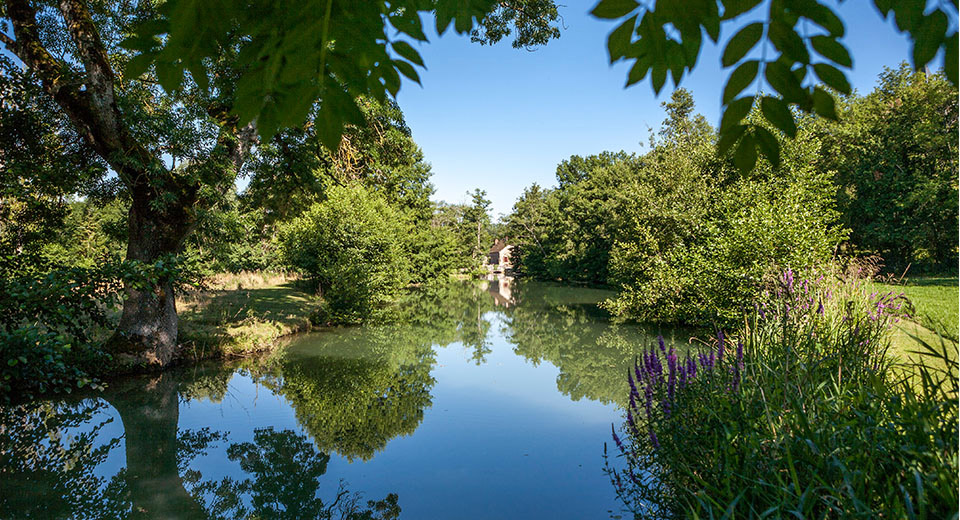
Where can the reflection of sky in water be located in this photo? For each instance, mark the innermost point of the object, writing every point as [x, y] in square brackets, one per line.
[500, 440]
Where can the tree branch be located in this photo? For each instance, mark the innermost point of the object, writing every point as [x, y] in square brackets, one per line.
[91, 109]
[93, 55]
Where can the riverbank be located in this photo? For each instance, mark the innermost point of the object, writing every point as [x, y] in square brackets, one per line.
[237, 315]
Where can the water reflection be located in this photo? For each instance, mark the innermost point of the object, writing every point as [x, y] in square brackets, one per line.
[125, 454]
[564, 327]
[51, 456]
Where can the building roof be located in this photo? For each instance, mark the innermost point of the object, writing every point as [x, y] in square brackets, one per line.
[498, 245]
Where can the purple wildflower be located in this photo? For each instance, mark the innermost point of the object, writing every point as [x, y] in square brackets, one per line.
[671, 380]
[616, 439]
[654, 440]
[631, 422]
[720, 346]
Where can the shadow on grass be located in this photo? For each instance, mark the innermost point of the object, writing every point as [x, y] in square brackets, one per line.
[241, 321]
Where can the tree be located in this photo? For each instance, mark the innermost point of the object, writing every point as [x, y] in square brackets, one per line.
[140, 133]
[894, 157]
[172, 103]
[476, 220]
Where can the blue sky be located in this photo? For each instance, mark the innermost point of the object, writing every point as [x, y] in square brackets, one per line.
[500, 119]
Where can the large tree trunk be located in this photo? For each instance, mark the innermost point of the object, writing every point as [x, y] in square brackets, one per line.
[147, 333]
[162, 213]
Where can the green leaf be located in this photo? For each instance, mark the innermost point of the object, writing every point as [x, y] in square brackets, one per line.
[613, 9]
[408, 22]
[138, 65]
[784, 81]
[769, 145]
[734, 8]
[735, 112]
[832, 77]
[407, 52]
[824, 17]
[741, 43]
[407, 70]
[950, 59]
[779, 115]
[170, 75]
[740, 79]
[831, 49]
[824, 104]
[787, 41]
[745, 158]
[637, 72]
[658, 78]
[619, 41]
[928, 38]
[199, 74]
[729, 137]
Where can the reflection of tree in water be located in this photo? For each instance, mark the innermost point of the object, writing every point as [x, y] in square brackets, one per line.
[564, 326]
[51, 458]
[45, 473]
[450, 313]
[354, 405]
[285, 484]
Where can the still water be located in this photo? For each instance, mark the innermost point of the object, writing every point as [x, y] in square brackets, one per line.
[479, 401]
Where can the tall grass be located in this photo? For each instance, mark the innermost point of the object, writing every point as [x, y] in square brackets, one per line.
[801, 414]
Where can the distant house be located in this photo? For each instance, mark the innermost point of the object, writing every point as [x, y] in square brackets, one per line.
[499, 258]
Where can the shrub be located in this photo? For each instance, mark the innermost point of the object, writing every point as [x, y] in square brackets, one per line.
[352, 244]
[52, 326]
[49, 327]
[802, 415]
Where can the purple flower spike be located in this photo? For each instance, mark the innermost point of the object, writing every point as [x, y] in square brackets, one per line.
[720, 346]
[616, 439]
[671, 380]
[663, 347]
[631, 423]
[654, 440]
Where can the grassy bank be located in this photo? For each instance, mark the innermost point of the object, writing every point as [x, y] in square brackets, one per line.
[240, 314]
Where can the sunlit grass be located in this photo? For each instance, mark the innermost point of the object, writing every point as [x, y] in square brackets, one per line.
[239, 314]
[935, 301]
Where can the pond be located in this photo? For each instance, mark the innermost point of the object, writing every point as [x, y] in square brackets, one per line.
[490, 400]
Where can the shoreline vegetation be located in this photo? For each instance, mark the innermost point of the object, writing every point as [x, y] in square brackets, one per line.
[803, 409]
[236, 315]
[240, 314]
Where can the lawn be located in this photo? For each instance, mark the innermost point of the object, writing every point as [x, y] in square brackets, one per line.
[239, 314]
[935, 301]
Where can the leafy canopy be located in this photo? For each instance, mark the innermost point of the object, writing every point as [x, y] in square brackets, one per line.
[794, 49]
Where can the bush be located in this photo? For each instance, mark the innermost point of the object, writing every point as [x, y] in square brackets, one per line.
[352, 244]
[697, 254]
[49, 330]
[804, 416]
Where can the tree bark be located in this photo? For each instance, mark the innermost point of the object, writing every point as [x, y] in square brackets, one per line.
[148, 328]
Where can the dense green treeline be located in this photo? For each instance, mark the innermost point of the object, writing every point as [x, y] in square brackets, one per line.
[686, 237]
[358, 224]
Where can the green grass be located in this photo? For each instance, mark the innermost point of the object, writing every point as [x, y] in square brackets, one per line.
[935, 301]
[242, 314]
